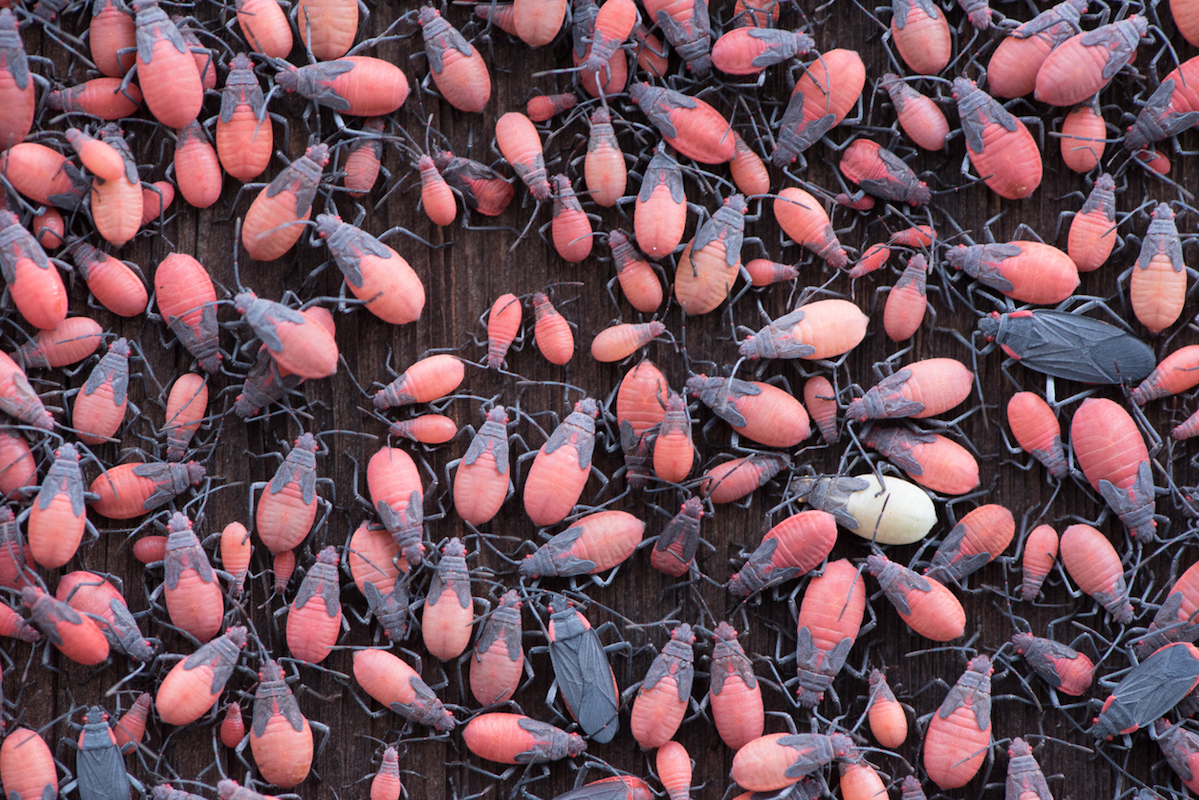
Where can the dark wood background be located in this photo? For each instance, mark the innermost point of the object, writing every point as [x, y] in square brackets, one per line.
[466, 273]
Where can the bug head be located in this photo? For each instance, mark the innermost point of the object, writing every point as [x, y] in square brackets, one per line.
[988, 326]
[288, 77]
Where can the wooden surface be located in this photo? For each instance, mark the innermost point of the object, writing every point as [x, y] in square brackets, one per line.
[462, 277]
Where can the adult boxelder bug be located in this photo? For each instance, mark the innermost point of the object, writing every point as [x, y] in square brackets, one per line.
[1149, 690]
[830, 617]
[1113, 456]
[959, 734]
[1181, 749]
[999, 145]
[662, 699]
[585, 679]
[99, 769]
[927, 607]
[1093, 564]
[1069, 346]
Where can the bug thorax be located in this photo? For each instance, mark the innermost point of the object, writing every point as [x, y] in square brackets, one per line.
[988, 326]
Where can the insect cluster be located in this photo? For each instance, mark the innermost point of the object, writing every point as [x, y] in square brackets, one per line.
[766, 517]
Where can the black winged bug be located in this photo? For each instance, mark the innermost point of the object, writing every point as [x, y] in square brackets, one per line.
[1149, 690]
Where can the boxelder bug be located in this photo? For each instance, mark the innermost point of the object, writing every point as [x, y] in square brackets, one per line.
[314, 618]
[194, 685]
[830, 617]
[593, 544]
[89, 593]
[1040, 553]
[130, 490]
[1030, 272]
[674, 453]
[978, 539]
[712, 260]
[778, 760]
[1113, 456]
[1069, 346]
[1175, 620]
[1092, 563]
[1149, 690]
[733, 691]
[280, 735]
[688, 124]
[662, 699]
[166, 70]
[1062, 667]
[76, 636]
[1012, 70]
[1177, 373]
[888, 722]
[560, 470]
[927, 607]
[448, 614]
[37, 290]
[1085, 63]
[675, 549]
[921, 35]
[1157, 288]
[803, 218]
[517, 739]
[673, 765]
[375, 273]
[27, 766]
[386, 783]
[458, 69]
[660, 212]
[483, 481]
[797, 545]
[820, 330]
[73, 340]
[360, 86]
[758, 411]
[959, 734]
[1001, 149]
[275, 220]
[930, 459]
[581, 669]
[99, 769]
[919, 117]
[499, 657]
[396, 685]
[186, 299]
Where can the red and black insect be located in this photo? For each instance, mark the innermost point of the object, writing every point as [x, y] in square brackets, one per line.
[99, 768]
[999, 146]
[664, 695]
[1069, 346]
[883, 174]
[675, 549]
[1149, 691]
[585, 679]
[796, 545]
[1061, 666]
[959, 734]
[830, 618]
